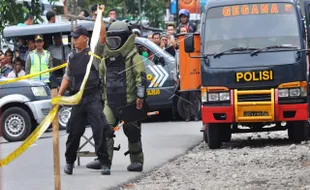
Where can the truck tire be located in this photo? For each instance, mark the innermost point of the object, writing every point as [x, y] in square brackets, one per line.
[213, 136]
[298, 131]
[225, 132]
[64, 114]
[16, 124]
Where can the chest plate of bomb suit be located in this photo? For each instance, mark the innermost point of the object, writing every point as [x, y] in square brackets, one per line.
[116, 80]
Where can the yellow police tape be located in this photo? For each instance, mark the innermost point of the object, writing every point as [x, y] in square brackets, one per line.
[32, 75]
[56, 101]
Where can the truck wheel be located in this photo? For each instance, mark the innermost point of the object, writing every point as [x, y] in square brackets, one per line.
[298, 131]
[16, 124]
[64, 114]
[225, 132]
[213, 136]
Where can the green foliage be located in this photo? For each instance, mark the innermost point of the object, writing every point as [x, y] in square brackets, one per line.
[12, 13]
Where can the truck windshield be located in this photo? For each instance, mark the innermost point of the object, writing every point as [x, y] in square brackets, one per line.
[251, 25]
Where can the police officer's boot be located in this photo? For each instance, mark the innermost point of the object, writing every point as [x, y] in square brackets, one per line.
[105, 170]
[95, 165]
[68, 169]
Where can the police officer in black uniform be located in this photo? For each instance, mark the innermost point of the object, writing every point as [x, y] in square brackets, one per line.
[90, 107]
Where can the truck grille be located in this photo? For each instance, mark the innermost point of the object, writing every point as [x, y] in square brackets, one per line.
[254, 97]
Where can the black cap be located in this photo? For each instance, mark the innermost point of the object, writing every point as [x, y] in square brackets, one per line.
[78, 31]
[38, 38]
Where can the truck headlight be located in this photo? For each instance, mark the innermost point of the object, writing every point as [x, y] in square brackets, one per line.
[282, 93]
[224, 96]
[294, 92]
[213, 97]
[38, 91]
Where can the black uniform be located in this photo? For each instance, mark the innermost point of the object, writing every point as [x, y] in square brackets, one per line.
[89, 109]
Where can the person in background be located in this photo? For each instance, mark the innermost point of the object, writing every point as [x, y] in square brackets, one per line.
[8, 67]
[163, 41]
[183, 30]
[184, 16]
[112, 14]
[21, 48]
[170, 29]
[150, 37]
[2, 63]
[156, 38]
[84, 13]
[59, 53]
[40, 60]
[51, 17]
[18, 71]
[93, 12]
[28, 20]
[31, 46]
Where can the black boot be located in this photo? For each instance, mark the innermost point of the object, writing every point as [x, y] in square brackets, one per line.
[68, 169]
[105, 170]
[95, 165]
[135, 167]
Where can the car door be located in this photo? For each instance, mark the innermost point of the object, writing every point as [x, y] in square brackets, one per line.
[158, 71]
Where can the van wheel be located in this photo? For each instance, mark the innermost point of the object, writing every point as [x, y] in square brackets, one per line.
[64, 114]
[298, 131]
[213, 136]
[16, 124]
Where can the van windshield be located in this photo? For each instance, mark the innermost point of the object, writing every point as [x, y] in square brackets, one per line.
[251, 25]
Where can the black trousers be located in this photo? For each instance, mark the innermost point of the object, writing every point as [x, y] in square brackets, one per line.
[88, 110]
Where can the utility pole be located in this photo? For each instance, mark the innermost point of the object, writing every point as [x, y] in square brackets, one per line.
[125, 10]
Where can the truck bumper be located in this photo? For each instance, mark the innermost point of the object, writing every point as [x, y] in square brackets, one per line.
[277, 112]
[40, 109]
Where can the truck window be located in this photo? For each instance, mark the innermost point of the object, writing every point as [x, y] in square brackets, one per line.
[251, 25]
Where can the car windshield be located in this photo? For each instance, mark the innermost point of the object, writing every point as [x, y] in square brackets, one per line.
[251, 25]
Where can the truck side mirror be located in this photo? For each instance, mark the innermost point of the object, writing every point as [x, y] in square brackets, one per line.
[189, 43]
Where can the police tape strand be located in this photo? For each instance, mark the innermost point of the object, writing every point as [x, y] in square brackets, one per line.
[56, 101]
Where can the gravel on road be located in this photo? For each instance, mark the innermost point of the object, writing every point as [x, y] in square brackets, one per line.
[253, 161]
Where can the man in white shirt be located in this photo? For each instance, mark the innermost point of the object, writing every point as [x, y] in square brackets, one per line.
[18, 71]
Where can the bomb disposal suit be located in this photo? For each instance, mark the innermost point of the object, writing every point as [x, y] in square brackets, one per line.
[123, 72]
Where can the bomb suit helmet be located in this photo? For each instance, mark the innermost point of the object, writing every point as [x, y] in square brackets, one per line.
[117, 34]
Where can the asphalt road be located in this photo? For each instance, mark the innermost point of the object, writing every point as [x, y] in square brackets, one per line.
[162, 141]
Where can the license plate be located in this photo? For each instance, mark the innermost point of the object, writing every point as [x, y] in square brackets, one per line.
[255, 113]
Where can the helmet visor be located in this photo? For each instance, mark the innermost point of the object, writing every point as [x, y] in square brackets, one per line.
[114, 42]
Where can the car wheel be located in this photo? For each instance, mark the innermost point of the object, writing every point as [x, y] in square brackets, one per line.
[16, 124]
[64, 114]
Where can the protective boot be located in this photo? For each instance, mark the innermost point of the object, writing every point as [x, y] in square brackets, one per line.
[105, 170]
[68, 169]
[135, 167]
[136, 157]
